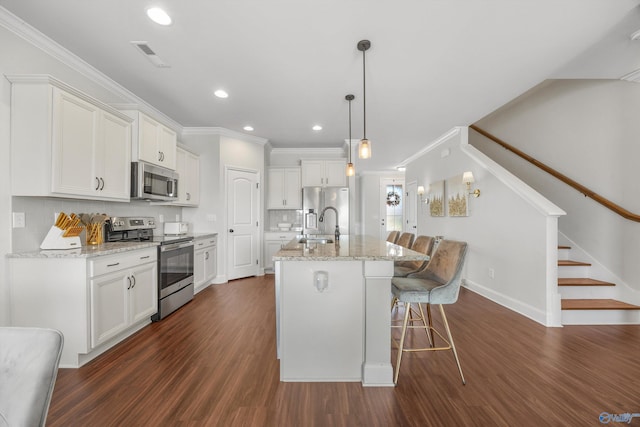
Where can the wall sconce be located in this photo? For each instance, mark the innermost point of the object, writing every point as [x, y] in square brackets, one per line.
[421, 193]
[468, 179]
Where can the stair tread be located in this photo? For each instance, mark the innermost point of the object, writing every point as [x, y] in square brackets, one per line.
[568, 262]
[582, 281]
[596, 304]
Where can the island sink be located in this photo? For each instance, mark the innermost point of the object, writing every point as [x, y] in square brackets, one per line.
[320, 240]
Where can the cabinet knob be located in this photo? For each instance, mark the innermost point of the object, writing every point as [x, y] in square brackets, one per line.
[231, 230]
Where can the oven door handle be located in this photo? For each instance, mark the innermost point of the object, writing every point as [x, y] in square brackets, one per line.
[173, 246]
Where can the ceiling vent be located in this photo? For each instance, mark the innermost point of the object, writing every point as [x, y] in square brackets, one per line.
[144, 49]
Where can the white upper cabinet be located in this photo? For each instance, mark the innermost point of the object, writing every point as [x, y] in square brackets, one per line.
[324, 173]
[153, 142]
[284, 190]
[188, 168]
[66, 144]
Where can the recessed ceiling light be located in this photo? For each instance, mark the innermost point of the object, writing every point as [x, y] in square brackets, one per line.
[248, 128]
[159, 16]
[317, 127]
[221, 93]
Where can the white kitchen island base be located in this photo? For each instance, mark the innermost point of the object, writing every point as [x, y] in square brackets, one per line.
[340, 333]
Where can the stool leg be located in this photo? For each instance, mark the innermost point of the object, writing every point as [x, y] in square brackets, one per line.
[427, 328]
[401, 346]
[453, 347]
[431, 338]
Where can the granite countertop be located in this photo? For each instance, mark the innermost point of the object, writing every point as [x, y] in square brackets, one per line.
[85, 251]
[348, 248]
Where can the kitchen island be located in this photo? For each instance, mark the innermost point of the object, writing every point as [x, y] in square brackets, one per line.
[333, 309]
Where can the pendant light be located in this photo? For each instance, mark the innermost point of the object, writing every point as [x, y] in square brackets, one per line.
[351, 171]
[364, 149]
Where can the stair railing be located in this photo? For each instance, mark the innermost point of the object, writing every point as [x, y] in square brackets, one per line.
[581, 188]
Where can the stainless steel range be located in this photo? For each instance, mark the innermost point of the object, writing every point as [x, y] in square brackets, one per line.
[175, 260]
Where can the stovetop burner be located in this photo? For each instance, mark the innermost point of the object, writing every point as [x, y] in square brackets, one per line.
[136, 229]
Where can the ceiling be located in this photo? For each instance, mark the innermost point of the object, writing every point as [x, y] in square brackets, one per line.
[288, 64]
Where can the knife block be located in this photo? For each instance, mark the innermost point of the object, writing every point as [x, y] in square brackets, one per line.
[54, 240]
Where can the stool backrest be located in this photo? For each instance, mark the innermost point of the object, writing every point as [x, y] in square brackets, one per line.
[422, 244]
[405, 240]
[445, 267]
[393, 236]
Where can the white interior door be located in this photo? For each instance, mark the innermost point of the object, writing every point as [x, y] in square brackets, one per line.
[242, 224]
[391, 206]
[411, 208]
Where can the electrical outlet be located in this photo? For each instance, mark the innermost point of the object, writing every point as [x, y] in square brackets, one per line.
[211, 218]
[177, 217]
[160, 218]
[18, 220]
[492, 273]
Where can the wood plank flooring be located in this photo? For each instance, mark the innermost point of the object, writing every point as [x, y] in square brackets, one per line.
[212, 363]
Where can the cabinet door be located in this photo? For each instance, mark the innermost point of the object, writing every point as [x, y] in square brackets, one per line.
[293, 189]
[148, 140]
[271, 247]
[109, 309]
[113, 158]
[210, 264]
[193, 179]
[167, 147]
[181, 168]
[312, 173]
[199, 273]
[275, 188]
[335, 173]
[143, 294]
[75, 124]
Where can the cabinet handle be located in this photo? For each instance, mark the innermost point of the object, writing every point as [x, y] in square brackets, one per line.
[97, 183]
[188, 196]
[206, 255]
[129, 280]
[134, 281]
[145, 257]
[101, 186]
[159, 156]
[113, 265]
[162, 154]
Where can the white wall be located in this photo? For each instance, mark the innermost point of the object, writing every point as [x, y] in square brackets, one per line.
[507, 229]
[588, 130]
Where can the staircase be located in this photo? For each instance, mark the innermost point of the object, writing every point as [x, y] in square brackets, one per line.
[587, 301]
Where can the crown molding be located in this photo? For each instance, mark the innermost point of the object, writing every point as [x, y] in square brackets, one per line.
[311, 152]
[223, 132]
[633, 76]
[151, 112]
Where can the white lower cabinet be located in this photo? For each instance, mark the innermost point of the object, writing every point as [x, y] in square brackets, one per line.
[273, 242]
[204, 262]
[121, 299]
[94, 301]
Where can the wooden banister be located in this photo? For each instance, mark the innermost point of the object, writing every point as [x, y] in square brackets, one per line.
[581, 188]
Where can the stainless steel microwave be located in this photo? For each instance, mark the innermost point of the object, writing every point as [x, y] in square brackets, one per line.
[153, 183]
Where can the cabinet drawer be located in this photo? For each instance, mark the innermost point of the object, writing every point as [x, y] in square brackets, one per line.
[107, 264]
[204, 243]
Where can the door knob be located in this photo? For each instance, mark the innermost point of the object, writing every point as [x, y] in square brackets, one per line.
[231, 230]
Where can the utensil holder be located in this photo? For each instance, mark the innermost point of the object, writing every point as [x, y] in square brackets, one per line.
[94, 234]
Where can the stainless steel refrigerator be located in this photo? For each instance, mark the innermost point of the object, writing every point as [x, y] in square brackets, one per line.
[314, 202]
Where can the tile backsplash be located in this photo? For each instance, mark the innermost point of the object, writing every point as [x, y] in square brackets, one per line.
[276, 216]
[40, 215]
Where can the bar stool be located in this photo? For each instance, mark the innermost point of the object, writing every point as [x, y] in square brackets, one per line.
[393, 237]
[438, 283]
[29, 359]
[405, 240]
[422, 244]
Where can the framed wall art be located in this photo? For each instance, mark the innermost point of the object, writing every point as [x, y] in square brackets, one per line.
[457, 201]
[436, 198]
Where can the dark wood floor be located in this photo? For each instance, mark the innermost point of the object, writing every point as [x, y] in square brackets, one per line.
[213, 363]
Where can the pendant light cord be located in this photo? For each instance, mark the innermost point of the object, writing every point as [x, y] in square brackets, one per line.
[364, 94]
[349, 131]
